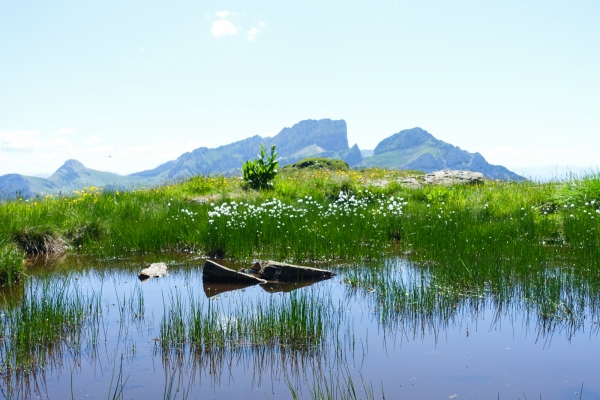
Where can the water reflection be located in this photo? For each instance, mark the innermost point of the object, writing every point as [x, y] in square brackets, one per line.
[397, 327]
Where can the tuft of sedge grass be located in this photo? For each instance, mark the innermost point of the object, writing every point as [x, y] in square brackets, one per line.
[298, 322]
[48, 320]
[11, 263]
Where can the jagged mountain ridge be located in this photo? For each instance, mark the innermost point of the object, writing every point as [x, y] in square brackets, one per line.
[408, 149]
[324, 138]
[418, 149]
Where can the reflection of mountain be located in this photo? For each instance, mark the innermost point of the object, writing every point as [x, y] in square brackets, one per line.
[408, 149]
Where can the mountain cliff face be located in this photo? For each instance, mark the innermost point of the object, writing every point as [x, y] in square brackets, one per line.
[418, 149]
[324, 138]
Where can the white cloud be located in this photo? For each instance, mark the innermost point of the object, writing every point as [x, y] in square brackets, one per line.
[223, 27]
[66, 131]
[93, 140]
[19, 141]
[252, 34]
[254, 31]
[223, 14]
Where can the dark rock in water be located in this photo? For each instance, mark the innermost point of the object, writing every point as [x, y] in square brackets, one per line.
[215, 272]
[256, 267]
[155, 270]
[277, 271]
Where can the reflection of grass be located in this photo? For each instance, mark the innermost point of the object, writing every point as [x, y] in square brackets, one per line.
[338, 384]
[422, 299]
[48, 320]
[298, 321]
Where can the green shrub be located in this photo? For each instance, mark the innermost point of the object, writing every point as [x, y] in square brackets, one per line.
[320, 162]
[11, 263]
[260, 172]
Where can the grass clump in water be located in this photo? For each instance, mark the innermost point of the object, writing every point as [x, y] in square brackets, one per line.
[299, 321]
[49, 319]
[11, 263]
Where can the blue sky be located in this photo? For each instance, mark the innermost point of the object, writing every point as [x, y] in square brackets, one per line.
[144, 81]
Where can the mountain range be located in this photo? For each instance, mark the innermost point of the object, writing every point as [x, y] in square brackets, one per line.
[413, 149]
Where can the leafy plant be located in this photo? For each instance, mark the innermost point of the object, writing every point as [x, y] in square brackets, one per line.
[260, 172]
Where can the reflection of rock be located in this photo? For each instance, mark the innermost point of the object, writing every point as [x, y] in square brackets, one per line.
[215, 272]
[155, 270]
[276, 287]
[214, 288]
[277, 271]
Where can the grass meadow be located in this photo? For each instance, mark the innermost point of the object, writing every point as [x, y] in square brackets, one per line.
[530, 245]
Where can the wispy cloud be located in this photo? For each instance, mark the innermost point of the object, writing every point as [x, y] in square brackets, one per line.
[93, 140]
[66, 131]
[28, 141]
[223, 27]
[223, 14]
[254, 31]
[19, 141]
[252, 34]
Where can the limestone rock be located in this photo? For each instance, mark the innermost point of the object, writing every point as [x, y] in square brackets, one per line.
[411, 182]
[156, 270]
[277, 271]
[216, 272]
[449, 177]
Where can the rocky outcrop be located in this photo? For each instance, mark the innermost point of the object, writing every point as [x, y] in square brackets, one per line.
[353, 156]
[453, 177]
[445, 177]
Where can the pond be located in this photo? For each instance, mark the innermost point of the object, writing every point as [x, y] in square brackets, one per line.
[175, 337]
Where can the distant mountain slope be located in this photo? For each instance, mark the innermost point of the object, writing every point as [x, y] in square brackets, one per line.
[418, 149]
[72, 175]
[310, 138]
[409, 149]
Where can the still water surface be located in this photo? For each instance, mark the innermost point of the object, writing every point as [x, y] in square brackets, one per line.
[479, 354]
